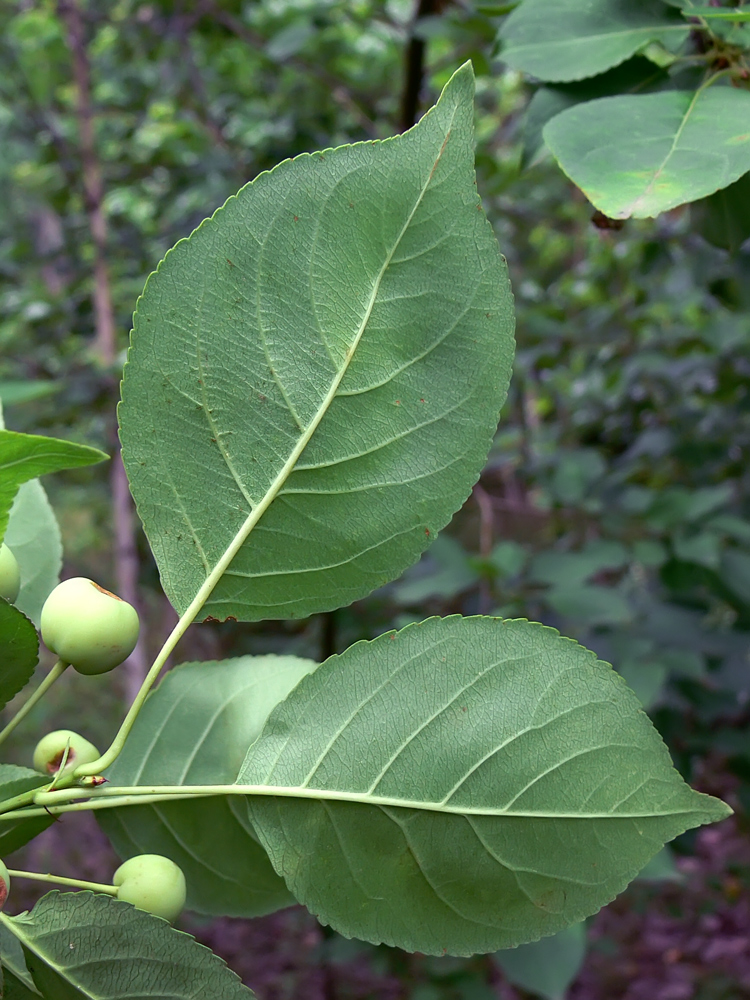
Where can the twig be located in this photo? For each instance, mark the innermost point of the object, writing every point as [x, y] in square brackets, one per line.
[93, 187]
[125, 554]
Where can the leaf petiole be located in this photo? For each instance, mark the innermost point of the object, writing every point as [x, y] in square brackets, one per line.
[56, 672]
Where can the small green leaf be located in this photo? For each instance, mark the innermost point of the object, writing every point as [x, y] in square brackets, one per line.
[19, 649]
[15, 391]
[574, 39]
[546, 967]
[316, 374]
[211, 839]
[735, 573]
[661, 868]
[444, 572]
[93, 947]
[33, 535]
[642, 155]
[26, 456]
[589, 604]
[463, 785]
[723, 219]
[566, 568]
[15, 833]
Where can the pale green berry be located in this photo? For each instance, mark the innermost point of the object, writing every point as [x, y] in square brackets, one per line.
[10, 574]
[152, 883]
[88, 627]
[50, 751]
[4, 884]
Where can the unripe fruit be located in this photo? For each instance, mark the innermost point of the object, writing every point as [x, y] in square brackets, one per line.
[88, 627]
[4, 884]
[50, 750]
[152, 883]
[10, 574]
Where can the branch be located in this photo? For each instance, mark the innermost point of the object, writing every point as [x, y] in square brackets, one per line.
[414, 66]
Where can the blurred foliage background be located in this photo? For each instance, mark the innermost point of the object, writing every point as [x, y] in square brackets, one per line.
[616, 502]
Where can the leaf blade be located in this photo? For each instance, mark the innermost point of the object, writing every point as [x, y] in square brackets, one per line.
[87, 944]
[477, 812]
[358, 299]
[193, 730]
[26, 456]
[572, 40]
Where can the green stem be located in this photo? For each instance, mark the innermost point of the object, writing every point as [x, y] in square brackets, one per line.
[62, 880]
[110, 755]
[24, 710]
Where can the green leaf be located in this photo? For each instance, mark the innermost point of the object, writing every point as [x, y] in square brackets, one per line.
[17, 979]
[89, 945]
[464, 785]
[589, 604]
[735, 573]
[211, 839]
[15, 833]
[642, 155]
[723, 219]
[33, 535]
[574, 39]
[325, 358]
[637, 75]
[26, 456]
[661, 868]
[444, 572]
[547, 967]
[19, 645]
[566, 568]
[15, 391]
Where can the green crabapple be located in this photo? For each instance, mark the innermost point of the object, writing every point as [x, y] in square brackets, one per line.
[10, 575]
[50, 750]
[152, 883]
[88, 627]
[4, 884]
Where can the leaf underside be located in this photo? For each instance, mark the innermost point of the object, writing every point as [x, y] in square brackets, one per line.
[464, 785]
[642, 155]
[89, 945]
[194, 730]
[322, 364]
[574, 39]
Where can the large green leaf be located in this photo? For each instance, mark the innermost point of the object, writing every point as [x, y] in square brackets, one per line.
[322, 364]
[641, 155]
[464, 785]
[89, 945]
[15, 833]
[194, 730]
[19, 651]
[34, 537]
[574, 39]
[26, 456]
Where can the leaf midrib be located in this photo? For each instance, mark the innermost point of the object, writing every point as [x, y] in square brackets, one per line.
[660, 169]
[553, 43]
[162, 793]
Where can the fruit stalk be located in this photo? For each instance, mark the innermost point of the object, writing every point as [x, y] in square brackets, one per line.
[24, 710]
